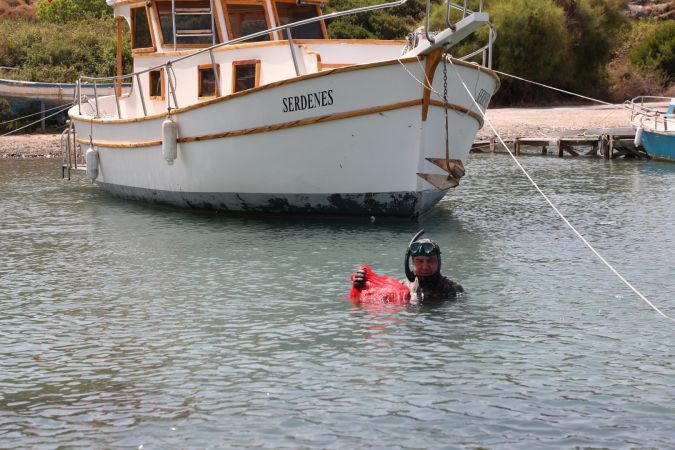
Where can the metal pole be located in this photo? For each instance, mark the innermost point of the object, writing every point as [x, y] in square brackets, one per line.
[215, 73]
[171, 86]
[290, 45]
[426, 23]
[173, 18]
[213, 27]
[117, 102]
[96, 98]
[140, 94]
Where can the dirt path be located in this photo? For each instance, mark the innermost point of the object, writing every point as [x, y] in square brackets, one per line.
[509, 122]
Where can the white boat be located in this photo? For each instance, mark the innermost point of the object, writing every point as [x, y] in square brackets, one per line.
[654, 120]
[283, 119]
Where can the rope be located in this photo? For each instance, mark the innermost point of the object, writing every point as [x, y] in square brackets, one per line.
[555, 208]
[557, 89]
[33, 123]
[35, 114]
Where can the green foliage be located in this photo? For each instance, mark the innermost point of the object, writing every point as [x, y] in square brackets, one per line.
[657, 52]
[64, 11]
[532, 42]
[393, 23]
[593, 27]
[61, 52]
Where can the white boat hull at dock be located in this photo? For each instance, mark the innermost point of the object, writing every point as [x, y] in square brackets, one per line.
[357, 151]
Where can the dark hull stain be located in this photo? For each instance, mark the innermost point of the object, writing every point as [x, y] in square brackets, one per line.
[377, 204]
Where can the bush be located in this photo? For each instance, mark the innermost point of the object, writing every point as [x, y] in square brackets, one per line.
[64, 11]
[393, 23]
[657, 52]
[90, 48]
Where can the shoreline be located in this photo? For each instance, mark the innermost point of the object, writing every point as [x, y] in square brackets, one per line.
[510, 123]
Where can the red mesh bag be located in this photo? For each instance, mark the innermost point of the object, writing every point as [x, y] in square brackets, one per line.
[379, 289]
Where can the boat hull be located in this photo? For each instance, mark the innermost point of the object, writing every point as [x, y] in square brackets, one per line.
[393, 204]
[659, 145]
[355, 152]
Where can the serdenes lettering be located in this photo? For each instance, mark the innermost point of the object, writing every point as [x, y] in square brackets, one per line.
[307, 101]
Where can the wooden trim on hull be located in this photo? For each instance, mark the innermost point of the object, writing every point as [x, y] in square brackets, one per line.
[283, 125]
[270, 86]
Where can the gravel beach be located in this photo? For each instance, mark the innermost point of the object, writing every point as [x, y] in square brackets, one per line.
[508, 122]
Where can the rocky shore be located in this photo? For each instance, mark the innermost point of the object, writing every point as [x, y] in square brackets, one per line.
[508, 122]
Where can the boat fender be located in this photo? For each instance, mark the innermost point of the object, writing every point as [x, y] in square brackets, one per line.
[638, 137]
[169, 140]
[91, 157]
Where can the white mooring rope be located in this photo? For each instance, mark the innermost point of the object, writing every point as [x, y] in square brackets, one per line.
[555, 208]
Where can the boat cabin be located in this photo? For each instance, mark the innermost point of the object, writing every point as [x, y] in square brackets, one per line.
[168, 25]
[179, 32]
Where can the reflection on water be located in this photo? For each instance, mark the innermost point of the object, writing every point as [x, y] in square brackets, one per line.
[125, 324]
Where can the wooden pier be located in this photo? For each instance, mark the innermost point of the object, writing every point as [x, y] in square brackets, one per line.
[610, 143]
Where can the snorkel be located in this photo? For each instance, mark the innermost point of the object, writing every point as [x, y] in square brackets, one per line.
[409, 274]
[425, 247]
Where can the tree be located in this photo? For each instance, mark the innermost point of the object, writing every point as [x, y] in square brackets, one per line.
[63, 11]
[657, 52]
[394, 23]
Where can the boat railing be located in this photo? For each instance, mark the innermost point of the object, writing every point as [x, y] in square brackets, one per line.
[652, 111]
[167, 66]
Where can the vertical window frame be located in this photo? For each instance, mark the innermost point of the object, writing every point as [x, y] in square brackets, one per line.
[204, 67]
[245, 62]
[319, 13]
[226, 14]
[151, 30]
[216, 18]
[162, 82]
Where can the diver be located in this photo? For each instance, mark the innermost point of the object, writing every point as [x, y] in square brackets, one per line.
[424, 280]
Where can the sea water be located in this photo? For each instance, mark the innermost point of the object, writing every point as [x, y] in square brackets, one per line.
[126, 325]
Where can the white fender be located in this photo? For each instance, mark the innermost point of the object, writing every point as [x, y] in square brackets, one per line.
[169, 140]
[91, 157]
[638, 137]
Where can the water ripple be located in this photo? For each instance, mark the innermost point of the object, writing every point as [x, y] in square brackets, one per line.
[124, 325]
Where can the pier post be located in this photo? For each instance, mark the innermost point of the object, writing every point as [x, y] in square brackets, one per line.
[611, 147]
[560, 148]
[42, 115]
[517, 146]
[492, 144]
[603, 147]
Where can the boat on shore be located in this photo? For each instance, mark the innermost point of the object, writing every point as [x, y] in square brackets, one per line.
[654, 119]
[25, 97]
[250, 107]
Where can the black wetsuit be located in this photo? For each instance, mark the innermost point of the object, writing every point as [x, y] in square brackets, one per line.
[435, 287]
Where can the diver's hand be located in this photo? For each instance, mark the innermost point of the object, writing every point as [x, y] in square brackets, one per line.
[359, 279]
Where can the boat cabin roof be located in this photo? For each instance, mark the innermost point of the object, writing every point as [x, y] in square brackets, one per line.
[168, 25]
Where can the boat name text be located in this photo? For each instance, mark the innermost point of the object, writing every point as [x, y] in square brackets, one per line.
[308, 101]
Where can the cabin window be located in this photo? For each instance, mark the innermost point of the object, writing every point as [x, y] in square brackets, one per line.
[290, 12]
[245, 19]
[156, 84]
[245, 75]
[194, 23]
[207, 81]
[141, 34]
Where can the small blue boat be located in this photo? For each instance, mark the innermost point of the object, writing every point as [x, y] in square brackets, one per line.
[654, 119]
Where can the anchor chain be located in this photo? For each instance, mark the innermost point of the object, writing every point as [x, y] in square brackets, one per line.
[445, 111]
